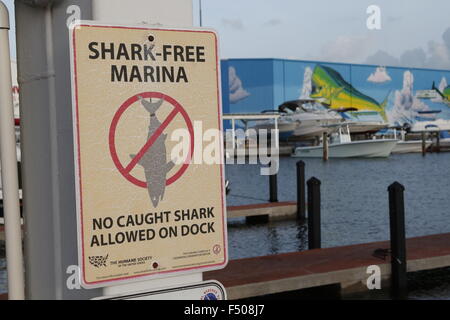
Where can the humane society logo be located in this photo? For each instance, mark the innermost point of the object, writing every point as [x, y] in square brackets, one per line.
[98, 261]
[211, 294]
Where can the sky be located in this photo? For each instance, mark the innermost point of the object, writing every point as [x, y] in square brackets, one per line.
[413, 32]
[12, 39]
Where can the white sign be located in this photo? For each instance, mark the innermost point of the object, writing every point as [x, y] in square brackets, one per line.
[208, 290]
[141, 214]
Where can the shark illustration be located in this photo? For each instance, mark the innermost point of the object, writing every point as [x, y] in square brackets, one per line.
[154, 160]
[330, 88]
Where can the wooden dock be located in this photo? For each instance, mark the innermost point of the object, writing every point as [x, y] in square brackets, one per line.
[274, 210]
[346, 265]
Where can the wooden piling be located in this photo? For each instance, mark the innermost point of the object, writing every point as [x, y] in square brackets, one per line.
[424, 145]
[438, 141]
[398, 240]
[325, 146]
[301, 206]
[314, 234]
[273, 188]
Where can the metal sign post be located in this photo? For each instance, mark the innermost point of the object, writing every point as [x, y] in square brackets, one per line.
[10, 185]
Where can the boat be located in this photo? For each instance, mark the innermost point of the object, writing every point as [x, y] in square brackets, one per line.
[285, 126]
[362, 121]
[410, 146]
[341, 146]
[444, 139]
[428, 121]
[404, 145]
[311, 117]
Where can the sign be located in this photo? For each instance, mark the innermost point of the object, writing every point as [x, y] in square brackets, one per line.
[145, 211]
[207, 290]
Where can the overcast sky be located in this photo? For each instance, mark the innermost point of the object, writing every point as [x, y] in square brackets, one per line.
[9, 4]
[413, 32]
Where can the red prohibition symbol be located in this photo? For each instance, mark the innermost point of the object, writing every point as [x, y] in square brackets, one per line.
[177, 109]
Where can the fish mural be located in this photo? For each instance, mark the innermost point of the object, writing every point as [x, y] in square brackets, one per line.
[445, 94]
[330, 88]
[154, 161]
[397, 95]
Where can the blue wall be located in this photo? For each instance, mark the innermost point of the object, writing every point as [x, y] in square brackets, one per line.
[254, 85]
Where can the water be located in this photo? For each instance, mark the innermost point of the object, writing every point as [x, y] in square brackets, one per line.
[355, 205]
[354, 195]
[354, 208]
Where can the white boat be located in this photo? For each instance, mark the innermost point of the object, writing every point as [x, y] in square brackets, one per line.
[311, 117]
[363, 121]
[428, 121]
[411, 146]
[341, 146]
[285, 127]
[403, 145]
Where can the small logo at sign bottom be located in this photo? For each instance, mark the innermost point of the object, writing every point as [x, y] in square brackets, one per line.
[98, 261]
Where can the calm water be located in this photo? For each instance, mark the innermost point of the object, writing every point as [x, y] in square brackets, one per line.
[355, 205]
[354, 208]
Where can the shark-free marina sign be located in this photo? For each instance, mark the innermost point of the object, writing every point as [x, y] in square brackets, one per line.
[145, 208]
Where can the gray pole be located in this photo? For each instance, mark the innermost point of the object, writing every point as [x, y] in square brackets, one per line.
[10, 183]
[47, 149]
[49, 204]
[200, 12]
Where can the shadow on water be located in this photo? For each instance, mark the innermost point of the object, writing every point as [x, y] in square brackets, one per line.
[259, 239]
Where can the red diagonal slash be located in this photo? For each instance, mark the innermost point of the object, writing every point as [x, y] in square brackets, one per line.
[150, 141]
[178, 108]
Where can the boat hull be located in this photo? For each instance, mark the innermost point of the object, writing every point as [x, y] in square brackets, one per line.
[410, 147]
[310, 132]
[358, 149]
[366, 127]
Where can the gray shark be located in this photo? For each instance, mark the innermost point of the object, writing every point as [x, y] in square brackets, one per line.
[154, 160]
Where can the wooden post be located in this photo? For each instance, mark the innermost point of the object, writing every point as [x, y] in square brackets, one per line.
[301, 205]
[424, 145]
[325, 146]
[314, 234]
[438, 141]
[273, 187]
[398, 241]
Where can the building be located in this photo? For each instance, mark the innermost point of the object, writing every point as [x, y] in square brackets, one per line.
[400, 95]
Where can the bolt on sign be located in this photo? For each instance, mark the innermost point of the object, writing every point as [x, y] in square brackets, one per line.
[141, 213]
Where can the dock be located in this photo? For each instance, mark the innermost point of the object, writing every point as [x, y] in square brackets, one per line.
[345, 266]
[274, 210]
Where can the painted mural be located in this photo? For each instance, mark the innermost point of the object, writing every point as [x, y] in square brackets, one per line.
[398, 95]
